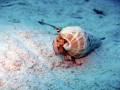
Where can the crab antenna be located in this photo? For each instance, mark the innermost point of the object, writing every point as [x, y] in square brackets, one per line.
[56, 27]
[42, 23]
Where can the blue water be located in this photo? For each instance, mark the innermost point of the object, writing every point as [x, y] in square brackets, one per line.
[26, 42]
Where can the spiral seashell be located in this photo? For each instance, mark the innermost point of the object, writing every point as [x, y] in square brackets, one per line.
[77, 42]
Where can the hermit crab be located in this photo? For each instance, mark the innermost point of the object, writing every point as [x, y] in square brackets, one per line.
[73, 42]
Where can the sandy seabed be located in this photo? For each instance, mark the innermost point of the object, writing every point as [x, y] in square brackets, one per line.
[27, 59]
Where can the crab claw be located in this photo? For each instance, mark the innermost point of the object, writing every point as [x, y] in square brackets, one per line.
[55, 46]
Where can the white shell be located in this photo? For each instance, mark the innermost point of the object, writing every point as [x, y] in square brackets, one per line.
[80, 42]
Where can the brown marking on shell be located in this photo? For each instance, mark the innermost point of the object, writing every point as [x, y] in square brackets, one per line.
[74, 44]
[81, 50]
[77, 43]
[68, 36]
[74, 32]
[78, 35]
